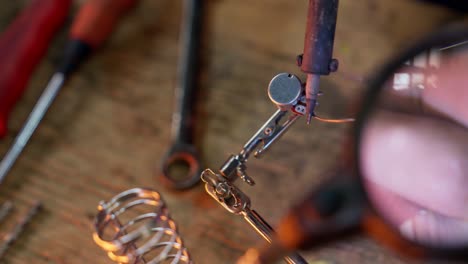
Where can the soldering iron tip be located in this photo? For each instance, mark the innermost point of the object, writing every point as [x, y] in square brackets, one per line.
[310, 105]
[309, 118]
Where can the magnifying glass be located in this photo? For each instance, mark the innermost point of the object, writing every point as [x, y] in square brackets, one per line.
[404, 175]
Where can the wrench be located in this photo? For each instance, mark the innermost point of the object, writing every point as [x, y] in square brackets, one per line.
[183, 153]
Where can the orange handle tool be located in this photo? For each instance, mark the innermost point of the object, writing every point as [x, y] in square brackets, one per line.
[97, 18]
[93, 24]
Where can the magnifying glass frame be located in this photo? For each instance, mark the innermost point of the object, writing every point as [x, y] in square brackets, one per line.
[449, 36]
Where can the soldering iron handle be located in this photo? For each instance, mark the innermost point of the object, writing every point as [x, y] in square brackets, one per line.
[92, 26]
[320, 36]
[22, 46]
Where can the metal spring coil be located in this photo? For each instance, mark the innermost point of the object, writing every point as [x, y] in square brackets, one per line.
[135, 227]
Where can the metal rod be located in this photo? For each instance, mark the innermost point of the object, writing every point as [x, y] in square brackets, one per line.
[19, 228]
[189, 62]
[267, 232]
[31, 124]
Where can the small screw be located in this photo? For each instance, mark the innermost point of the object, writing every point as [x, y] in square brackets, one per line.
[241, 173]
[268, 131]
[299, 60]
[333, 67]
[222, 189]
[300, 109]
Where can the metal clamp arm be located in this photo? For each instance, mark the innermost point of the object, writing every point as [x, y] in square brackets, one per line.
[237, 202]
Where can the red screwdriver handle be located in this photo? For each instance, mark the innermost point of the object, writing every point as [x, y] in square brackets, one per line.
[22, 46]
[96, 20]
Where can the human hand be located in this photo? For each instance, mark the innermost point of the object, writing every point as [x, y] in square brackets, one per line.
[415, 166]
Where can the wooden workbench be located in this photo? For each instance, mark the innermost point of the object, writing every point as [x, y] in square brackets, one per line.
[109, 128]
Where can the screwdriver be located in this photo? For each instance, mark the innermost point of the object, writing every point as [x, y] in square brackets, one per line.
[91, 27]
[22, 46]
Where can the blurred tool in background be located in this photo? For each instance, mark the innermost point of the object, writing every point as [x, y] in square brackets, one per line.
[13, 235]
[456, 5]
[183, 152]
[22, 46]
[91, 27]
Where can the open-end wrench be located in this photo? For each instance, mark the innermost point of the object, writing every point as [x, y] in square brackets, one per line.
[183, 152]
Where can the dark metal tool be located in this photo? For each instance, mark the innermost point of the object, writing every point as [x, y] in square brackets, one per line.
[19, 228]
[5, 210]
[183, 152]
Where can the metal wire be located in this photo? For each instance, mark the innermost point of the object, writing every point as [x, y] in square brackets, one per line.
[328, 120]
[135, 227]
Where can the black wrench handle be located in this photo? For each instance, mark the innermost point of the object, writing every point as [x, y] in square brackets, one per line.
[187, 75]
[183, 119]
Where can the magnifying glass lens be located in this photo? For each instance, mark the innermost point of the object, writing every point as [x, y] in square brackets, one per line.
[414, 149]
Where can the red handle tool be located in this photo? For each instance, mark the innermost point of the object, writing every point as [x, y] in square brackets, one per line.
[93, 24]
[22, 46]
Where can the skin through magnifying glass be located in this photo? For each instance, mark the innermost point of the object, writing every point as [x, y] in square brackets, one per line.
[413, 145]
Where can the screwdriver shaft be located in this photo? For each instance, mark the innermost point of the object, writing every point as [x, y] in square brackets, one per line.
[38, 112]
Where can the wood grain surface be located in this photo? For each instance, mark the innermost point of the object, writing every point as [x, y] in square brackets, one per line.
[109, 128]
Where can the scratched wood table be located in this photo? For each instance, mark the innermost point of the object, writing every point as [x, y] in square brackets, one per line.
[109, 128]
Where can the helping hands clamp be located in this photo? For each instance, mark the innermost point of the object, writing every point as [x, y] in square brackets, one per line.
[287, 92]
[237, 202]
